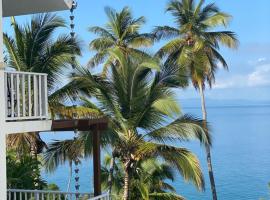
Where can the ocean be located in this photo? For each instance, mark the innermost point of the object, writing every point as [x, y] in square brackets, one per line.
[240, 154]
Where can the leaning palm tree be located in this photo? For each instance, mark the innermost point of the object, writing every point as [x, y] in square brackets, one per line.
[137, 100]
[122, 31]
[195, 48]
[34, 49]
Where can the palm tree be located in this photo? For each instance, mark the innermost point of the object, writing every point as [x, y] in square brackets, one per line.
[26, 143]
[33, 49]
[149, 180]
[195, 48]
[70, 151]
[137, 99]
[121, 32]
[60, 152]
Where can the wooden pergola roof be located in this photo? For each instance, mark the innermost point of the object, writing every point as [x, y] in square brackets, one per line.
[100, 124]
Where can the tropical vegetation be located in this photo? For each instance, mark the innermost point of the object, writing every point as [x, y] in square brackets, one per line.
[122, 32]
[135, 91]
[151, 180]
[23, 173]
[33, 48]
[138, 101]
[194, 46]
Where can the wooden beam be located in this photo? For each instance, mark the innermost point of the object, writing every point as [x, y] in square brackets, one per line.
[97, 162]
[80, 124]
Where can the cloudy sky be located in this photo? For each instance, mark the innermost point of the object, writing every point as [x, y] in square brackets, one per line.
[249, 74]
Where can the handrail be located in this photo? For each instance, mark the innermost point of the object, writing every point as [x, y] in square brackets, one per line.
[47, 191]
[31, 73]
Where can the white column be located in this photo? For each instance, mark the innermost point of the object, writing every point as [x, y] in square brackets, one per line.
[3, 177]
[2, 64]
[3, 173]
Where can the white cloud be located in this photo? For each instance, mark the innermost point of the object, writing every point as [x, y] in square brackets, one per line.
[261, 59]
[260, 76]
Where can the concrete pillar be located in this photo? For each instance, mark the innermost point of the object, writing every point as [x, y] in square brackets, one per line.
[2, 65]
[3, 172]
[3, 177]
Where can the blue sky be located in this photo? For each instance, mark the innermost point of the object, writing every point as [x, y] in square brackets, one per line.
[248, 77]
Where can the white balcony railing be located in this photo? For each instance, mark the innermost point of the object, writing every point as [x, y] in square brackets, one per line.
[14, 194]
[26, 96]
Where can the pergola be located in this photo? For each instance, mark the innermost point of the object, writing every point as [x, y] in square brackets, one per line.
[96, 127]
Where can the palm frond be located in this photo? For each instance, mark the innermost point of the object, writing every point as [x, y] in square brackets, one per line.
[166, 32]
[185, 162]
[183, 129]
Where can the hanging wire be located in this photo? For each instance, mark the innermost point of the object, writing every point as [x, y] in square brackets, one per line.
[73, 57]
[74, 114]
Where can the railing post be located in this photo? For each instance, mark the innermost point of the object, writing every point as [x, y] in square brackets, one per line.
[3, 178]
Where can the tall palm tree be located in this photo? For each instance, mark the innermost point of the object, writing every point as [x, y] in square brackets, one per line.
[195, 48]
[122, 31]
[137, 99]
[34, 49]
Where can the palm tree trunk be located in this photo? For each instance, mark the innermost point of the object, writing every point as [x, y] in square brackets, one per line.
[126, 184]
[111, 174]
[207, 147]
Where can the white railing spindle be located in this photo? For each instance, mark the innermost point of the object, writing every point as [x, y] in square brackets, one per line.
[29, 96]
[46, 94]
[12, 94]
[6, 94]
[35, 96]
[23, 95]
[18, 95]
[39, 96]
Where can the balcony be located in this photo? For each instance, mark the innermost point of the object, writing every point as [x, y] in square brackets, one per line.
[26, 96]
[25, 109]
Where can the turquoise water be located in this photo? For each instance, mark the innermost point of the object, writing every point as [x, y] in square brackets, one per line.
[241, 156]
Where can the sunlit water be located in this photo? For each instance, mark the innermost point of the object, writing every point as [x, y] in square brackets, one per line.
[241, 156]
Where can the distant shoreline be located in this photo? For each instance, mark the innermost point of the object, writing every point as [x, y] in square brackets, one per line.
[226, 106]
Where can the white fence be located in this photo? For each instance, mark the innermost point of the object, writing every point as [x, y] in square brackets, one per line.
[26, 96]
[14, 194]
